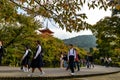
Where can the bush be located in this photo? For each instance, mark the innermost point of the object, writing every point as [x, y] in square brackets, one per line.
[97, 61]
[116, 64]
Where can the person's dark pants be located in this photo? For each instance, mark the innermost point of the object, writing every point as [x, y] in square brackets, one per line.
[77, 65]
[0, 60]
[71, 63]
[88, 64]
[106, 64]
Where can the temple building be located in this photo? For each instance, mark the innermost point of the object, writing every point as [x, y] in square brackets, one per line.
[46, 32]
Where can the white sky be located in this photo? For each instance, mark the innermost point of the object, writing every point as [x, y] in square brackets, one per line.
[94, 15]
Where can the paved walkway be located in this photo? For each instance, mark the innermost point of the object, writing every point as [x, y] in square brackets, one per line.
[115, 76]
[54, 73]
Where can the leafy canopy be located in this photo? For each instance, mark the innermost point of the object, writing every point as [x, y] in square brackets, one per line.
[107, 33]
[66, 13]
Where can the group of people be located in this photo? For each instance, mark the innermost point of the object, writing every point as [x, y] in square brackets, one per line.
[71, 60]
[106, 61]
[36, 61]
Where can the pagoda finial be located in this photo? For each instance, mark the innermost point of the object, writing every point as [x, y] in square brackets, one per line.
[47, 24]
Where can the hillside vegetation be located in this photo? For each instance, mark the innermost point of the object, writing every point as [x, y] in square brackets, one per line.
[84, 41]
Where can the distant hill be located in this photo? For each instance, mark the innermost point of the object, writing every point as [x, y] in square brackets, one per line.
[83, 41]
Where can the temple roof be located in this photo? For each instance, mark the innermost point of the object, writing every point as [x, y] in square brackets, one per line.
[46, 30]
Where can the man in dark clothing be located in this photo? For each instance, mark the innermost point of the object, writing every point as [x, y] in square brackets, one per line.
[71, 58]
[65, 60]
[1, 52]
[90, 61]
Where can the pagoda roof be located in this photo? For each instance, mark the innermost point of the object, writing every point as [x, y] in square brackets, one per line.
[46, 30]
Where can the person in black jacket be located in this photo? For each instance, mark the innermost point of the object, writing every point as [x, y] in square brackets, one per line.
[65, 59]
[1, 52]
[90, 60]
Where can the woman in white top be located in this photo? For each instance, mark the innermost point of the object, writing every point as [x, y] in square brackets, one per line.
[26, 59]
[37, 61]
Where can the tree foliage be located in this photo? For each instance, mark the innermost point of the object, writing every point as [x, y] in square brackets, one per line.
[107, 34]
[15, 30]
[14, 36]
[66, 13]
[115, 6]
[52, 49]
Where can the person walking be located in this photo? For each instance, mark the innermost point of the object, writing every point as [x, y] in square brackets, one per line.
[26, 59]
[109, 61]
[37, 61]
[91, 60]
[71, 58]
[61, 60]
[1, 52]
[65, 59]
[106, 61]
[77, 61]
[87, 61]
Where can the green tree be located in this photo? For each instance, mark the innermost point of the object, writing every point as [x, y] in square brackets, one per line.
[107, 33]
[15, 36]
[115, 7]
[52, 49]
[15, 30]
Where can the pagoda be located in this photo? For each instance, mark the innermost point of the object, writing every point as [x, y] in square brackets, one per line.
[46, 31]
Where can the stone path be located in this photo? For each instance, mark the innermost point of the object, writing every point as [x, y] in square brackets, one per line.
[56, 73]
[115, 76]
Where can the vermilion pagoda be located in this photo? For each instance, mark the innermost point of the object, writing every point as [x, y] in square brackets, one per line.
[46, 31]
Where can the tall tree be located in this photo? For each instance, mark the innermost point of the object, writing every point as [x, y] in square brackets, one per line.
[15, 30]
[14, 25]
[107, 33]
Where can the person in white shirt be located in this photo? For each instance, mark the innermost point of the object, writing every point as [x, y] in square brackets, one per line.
[71, 58]
[26, 59]
[37, 61]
